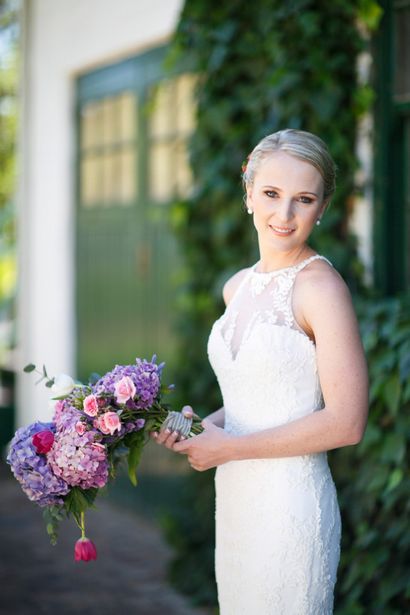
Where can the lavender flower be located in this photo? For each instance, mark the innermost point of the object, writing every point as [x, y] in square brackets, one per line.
[32, 469]
[78, 459]
[145, 376]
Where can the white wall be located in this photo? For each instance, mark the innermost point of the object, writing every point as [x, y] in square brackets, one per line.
[61, 39]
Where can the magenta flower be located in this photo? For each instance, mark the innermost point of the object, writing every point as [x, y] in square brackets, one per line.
[84, 550]
[43, 441]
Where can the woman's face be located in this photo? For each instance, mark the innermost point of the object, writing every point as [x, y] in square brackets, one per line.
[287, 199]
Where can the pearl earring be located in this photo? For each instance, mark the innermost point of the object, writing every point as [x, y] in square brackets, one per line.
[249, 210]
[318, 222]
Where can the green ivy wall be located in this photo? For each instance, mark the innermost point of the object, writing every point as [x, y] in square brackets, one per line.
[263, 66]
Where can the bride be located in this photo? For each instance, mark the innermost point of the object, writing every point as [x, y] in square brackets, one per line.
[292, 372]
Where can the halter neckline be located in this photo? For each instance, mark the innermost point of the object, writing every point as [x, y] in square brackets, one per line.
[282, 269]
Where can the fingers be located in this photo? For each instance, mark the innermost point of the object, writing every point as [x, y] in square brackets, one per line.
[168, 439]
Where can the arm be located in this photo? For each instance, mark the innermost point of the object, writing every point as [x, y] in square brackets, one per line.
[329, 314]
[217, 417]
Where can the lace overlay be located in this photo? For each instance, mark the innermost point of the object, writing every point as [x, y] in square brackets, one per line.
[277, 520]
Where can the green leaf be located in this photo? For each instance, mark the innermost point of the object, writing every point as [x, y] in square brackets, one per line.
[52, 516]
[391, 393]
[78, 500]
[29, 368]
[395, 479]
[134, 456]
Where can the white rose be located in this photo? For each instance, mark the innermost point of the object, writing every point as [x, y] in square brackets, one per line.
[63, 385]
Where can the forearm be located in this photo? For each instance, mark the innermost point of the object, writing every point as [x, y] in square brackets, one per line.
[319, 431]
[217, 417]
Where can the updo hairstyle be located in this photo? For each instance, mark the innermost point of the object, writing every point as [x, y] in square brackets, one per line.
[300, 144]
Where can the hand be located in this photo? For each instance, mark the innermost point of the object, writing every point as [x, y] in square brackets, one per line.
[211, 448]
[168, 438]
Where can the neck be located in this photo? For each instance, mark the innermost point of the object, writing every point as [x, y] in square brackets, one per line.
[272, 260]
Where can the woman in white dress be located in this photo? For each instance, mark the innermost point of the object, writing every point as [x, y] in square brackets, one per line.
[291, 368]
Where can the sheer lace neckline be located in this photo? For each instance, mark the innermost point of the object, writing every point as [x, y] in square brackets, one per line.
[302, 263]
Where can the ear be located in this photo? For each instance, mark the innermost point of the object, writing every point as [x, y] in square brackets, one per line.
[324, 206]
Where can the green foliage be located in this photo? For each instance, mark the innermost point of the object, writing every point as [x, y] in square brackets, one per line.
[373, 478]
[135, 442]
[263, 66]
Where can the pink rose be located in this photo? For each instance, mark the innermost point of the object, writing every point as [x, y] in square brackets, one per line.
[109, 422]
[80, 428]
[43, 441]
[90, 405]
[124, 390]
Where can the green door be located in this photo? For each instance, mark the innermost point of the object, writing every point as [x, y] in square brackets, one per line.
[131, 163]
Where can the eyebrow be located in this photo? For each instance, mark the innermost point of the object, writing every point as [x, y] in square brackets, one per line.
[280, 190]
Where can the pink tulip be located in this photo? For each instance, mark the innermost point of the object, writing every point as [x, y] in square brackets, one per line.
[84, 550]
[43, 441]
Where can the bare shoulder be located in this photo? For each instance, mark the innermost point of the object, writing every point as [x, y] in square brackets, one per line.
[321, 295]
[232, 284]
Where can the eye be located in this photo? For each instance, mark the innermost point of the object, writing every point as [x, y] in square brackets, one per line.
[306, 199]
[272, 194]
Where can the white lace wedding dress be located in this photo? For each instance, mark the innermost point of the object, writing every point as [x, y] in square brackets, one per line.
[277, 520]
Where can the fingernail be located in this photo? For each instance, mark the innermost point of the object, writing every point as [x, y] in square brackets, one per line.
[176, 433]
[155, 434]
[167, 431]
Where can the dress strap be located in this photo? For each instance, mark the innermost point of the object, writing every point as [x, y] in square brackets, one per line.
[309, 260]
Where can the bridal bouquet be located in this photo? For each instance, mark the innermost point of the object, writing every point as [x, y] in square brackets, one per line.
[63, 464]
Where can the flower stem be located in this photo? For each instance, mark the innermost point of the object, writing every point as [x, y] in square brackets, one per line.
[82, 526]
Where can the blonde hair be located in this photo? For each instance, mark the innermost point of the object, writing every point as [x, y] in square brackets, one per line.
[300, 144]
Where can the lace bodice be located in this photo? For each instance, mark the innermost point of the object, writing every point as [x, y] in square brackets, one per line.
[261, 297]
[258, 347]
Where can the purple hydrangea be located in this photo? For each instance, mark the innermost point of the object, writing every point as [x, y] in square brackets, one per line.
[32, 470]
[146, 376]
[79, 460]
[65, 415]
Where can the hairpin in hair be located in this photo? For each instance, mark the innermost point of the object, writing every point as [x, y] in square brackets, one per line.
[245, 164]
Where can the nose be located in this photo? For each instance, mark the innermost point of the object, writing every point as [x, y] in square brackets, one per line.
[284, 211]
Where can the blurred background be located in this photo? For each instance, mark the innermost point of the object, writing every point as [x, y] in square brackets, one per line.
[123, 128]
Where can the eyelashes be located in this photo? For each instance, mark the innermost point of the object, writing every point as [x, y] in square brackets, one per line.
[306, 200]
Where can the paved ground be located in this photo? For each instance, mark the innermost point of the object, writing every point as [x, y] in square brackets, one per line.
[128, 577]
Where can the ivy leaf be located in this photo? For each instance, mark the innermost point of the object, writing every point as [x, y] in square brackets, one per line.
[29, 368]
[391, 393]
[395, 479]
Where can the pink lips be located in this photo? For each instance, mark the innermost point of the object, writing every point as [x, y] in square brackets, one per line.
[282, 231]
